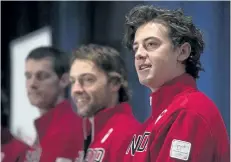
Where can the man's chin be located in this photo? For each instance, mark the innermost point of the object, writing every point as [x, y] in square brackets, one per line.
[37, 104]
[145, 81]
[84, 114]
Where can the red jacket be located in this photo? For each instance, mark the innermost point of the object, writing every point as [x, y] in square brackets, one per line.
[60, 135]
[185, 126]
[12, 151]
[110, 127]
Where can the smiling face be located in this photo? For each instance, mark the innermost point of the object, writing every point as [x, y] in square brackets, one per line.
[90, 89]
[156, 59]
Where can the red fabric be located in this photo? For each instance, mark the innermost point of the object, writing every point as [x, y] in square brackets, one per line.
[185, 126]
[60, 135]
[11, 151]
[112, 126]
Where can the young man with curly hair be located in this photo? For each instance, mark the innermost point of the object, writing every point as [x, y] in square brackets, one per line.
[185, 125]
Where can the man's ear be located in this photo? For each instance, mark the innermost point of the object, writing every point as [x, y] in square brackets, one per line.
[184, 52]
[115, 81]
[64, 80]
[115, 84]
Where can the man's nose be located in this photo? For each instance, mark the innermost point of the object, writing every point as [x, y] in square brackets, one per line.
[33, 82]
[141, 53]
[77, 87]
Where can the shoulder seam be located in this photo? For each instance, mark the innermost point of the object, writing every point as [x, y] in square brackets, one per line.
[199, 115]
[202, 118]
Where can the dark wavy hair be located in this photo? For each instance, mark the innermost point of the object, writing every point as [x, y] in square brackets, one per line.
[181, 29]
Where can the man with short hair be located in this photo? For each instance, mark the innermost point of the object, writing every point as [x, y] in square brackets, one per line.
[59, 134]
[100, 92]
[185, 125]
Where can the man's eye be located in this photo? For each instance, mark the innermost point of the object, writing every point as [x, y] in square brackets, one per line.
[88, 79]
[42, 76]
[151, 45]
[72, 81]
[135, 48]
[27, 76]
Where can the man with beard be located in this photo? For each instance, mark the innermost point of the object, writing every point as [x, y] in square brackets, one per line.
[100, 92]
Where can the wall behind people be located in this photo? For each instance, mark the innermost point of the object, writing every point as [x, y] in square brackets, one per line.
[21, 18]
[216, 57]
[108, 29]
[215, 81]
[99, 22]
[74, 23]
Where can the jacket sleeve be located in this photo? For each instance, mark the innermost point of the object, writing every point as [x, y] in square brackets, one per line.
[12, 151]
[118, 149]
[187, 138]
[122, 140]
[61, 148]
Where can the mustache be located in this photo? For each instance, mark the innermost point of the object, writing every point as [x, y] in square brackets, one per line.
[80, 95]
[77, 96]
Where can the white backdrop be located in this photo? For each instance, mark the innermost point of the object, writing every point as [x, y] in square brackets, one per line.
[22, 112]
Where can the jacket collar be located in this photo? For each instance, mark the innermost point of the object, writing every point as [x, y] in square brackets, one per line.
[43, 123]
[160, 99]
[102, 117]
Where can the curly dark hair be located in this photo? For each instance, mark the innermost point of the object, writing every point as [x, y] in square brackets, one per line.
[181, 30]
[109, 60]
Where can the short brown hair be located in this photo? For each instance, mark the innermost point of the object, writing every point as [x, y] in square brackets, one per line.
[59, 58]
[107, 59]
[181, 30]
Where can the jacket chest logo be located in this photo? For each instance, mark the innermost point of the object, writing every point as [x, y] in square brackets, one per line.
[139, 143]
[93, 155]
[180, 149]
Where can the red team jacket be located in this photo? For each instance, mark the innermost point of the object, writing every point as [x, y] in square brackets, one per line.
[185, 125]
[60, 136]
[11, 151]
[110, 127]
